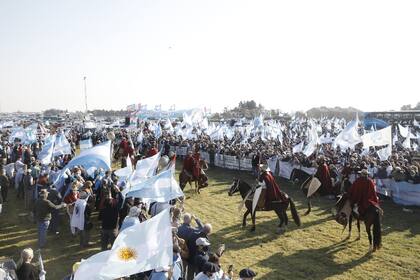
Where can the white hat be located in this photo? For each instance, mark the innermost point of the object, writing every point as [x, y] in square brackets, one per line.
[202, 242]
[264, 167]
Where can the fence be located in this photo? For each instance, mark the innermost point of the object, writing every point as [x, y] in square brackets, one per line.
[403, 193]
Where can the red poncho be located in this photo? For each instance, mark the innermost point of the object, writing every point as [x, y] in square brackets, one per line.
[273, 192]
[363, 192]
[189, 164]
[323, 174]
[196, 165]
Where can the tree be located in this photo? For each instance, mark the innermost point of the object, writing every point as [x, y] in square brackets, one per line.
[406, 107]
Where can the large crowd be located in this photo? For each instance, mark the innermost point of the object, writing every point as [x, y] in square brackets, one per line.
[36, 188]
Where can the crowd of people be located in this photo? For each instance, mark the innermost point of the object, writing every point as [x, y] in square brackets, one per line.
[82, 192]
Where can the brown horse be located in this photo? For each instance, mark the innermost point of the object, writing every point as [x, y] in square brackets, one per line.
[305, 189]
[279, 207]
[200, 182]
[345, 215]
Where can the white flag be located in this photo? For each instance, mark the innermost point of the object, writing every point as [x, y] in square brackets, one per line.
[298, 148]
[406, 144]
[385, 153]
[141, 247]
[349, 137]
[380, 137]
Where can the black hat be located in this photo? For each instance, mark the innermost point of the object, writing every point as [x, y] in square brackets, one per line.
[210, 267]
[247, 273]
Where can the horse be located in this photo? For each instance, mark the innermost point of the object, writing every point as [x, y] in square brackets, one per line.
[305, 190]
[200, 182]
[345, 215]
[279, 207]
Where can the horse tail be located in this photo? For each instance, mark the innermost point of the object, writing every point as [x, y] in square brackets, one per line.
[377, 232]
[294, 212]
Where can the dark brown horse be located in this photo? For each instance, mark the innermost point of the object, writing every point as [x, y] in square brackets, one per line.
[279, 207]
[345, 215]
[199, 183]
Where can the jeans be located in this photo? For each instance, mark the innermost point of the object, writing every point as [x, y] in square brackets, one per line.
[55, 218]
[42, 233]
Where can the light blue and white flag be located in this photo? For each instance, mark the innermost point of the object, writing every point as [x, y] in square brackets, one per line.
[85, 144]
[46, 154]
[160, 188]
[89, 269]
[98, 156]
[145, 168]
[62, 145]
[141, 247]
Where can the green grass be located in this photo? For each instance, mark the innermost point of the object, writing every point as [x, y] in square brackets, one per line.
[313, 251]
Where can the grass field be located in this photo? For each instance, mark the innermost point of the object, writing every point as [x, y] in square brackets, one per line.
[313, 251]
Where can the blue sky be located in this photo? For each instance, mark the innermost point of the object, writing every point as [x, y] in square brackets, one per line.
[290, 55]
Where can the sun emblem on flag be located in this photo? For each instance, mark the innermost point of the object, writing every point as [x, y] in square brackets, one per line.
[127, 254]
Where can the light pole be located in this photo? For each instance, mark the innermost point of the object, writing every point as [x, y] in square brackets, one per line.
[84, 80]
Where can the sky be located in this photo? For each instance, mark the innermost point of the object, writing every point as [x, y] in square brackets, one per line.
[287, 55]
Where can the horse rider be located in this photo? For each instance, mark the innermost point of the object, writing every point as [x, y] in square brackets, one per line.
[363, 193]
[188, 165]
[271, 190]
[196, 165]
[323, 174]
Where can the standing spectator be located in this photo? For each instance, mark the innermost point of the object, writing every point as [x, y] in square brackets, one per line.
[55, 197]
[4, 183]
[109, 216]
[42, 210]
[26, 270]
[28, 186]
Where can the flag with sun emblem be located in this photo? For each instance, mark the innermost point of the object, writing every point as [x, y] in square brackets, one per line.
[142, 247]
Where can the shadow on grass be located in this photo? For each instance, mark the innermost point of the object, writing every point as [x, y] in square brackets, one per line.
[309, 263]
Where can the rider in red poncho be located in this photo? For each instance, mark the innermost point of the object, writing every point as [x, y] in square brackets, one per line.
[196, 165]
[363, 193]
[323, 174]
[188, 165]
[272, 192]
